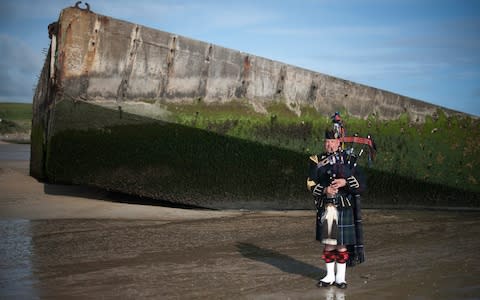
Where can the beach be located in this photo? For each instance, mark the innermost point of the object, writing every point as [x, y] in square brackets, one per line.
[64, 241]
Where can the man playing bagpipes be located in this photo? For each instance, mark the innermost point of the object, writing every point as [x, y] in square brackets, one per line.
[336, 183]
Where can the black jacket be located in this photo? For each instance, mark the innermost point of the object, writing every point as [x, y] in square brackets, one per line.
[324, 168]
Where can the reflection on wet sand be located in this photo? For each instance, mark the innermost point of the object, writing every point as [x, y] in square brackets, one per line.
[16, 273]
[334, 293]
[262, 255]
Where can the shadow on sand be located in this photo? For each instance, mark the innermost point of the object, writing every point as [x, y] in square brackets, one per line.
[281, 261]
[111, 196]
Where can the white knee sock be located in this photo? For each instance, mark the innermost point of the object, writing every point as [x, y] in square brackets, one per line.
[330, 277]
[341, 269]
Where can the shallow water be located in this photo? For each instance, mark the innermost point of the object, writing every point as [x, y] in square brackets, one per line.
[14, 151]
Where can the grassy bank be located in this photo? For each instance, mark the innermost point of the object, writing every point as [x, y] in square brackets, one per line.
[16, 121]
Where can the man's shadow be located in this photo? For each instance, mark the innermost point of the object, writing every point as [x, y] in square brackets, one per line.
[281, 261]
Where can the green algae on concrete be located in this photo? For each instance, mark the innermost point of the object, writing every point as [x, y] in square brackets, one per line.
[174, 163]
[238, 167]
[441, 150]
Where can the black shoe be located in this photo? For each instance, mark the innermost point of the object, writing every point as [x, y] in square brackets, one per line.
[324, 284]
[342, 285]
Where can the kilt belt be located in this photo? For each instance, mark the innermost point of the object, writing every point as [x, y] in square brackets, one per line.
[337, 201]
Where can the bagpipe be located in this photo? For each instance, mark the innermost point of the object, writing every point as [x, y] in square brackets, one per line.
[350, 145]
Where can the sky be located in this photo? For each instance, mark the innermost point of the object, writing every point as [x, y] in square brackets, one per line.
[424, 49]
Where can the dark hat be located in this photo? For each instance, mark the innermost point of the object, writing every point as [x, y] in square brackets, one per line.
[331, 134]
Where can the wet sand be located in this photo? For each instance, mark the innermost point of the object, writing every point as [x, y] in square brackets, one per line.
[74, 242]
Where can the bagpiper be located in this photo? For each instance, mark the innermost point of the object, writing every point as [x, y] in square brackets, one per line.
[336, 183]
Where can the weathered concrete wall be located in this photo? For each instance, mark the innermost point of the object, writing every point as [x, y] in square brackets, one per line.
[101, 58]
[146, 112]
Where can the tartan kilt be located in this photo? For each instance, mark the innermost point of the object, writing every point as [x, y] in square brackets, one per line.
[346, 226]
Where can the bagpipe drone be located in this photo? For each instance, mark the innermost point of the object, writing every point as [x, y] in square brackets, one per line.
[353, 146]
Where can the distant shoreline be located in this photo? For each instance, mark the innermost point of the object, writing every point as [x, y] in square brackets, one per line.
[15, 138]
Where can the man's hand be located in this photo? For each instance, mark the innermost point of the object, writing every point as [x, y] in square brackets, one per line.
[338, 183]
[332, 189]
